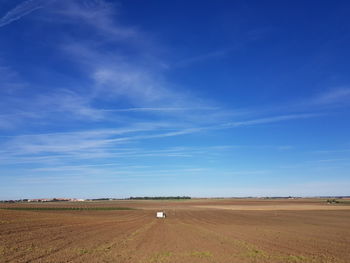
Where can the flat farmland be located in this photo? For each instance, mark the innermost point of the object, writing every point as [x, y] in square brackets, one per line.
[197, 230]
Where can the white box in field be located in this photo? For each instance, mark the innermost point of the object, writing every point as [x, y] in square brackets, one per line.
[160, 215]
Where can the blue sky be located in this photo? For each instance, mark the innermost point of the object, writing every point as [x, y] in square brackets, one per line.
[201, 98]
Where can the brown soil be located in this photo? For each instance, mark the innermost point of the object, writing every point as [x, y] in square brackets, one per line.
[303, 230]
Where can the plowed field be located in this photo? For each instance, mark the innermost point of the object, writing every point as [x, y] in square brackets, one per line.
[209, 230]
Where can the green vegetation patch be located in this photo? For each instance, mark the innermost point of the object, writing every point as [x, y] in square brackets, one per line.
[338, 202]
[67, 208]
[82, 251]
[296, 259]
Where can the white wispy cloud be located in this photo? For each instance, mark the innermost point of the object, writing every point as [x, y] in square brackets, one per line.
[161, 109]
[334, 96]
[220, 53]
[271, 120]
[137, 85]
[109, 75]
[69, 101]
[332, 151]
[21, 10]
[115, 143]
[136, 80]
[96, 145]
[98, 15]
[324, 103]
[333, 160]
[10, 81]
[88, 143]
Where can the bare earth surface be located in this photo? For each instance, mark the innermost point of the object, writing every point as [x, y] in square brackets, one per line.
[207, 230]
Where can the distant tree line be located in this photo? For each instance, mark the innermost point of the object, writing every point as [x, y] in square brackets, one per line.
[159, 197]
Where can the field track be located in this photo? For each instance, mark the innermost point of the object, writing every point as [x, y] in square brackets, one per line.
[194, 231]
